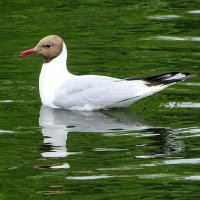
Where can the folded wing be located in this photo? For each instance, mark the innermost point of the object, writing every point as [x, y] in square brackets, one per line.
[100, 92]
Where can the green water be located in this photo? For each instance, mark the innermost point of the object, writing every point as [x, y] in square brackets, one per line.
[148, 151]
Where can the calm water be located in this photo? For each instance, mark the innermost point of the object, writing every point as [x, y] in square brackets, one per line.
[148, 151]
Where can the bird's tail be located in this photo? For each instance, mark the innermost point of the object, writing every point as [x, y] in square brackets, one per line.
[167, 79]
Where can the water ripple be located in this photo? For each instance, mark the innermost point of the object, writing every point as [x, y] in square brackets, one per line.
[63, 166]
[109, 149]
[5, 131]
[51, 192]
[115, 169]
[194, 12]
[164, 17]
[192, 84]
[182, 105]
[151, 176]
[93, 177]
[11, 101]
[173, 38]
[151, 156]
[182, 161]
[193, 178]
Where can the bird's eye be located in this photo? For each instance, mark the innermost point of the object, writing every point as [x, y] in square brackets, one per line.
[48, 45]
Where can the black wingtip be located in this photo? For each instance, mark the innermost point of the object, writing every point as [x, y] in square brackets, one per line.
[168, 78]
[165, 79]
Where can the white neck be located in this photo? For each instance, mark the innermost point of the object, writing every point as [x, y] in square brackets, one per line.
[52, 76]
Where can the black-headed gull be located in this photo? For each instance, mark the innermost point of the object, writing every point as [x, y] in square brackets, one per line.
[61, 89]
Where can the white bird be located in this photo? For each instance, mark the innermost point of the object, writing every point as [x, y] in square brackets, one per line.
[61, 89]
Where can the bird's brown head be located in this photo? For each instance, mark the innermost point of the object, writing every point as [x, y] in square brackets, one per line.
[49, 48]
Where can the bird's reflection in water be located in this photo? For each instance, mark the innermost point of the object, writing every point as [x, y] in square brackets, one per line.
[81, 121]
[57, 124]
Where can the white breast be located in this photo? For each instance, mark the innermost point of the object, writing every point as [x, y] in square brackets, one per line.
[53, 75]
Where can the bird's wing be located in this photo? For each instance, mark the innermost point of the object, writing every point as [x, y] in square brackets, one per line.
[100, 92]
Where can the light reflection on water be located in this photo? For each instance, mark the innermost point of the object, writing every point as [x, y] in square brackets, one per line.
[182, 161]
[164, 17]
[173, 38]
[89, 177]
[193, 178]
[5, 131]
[182, 105]
[194, 12]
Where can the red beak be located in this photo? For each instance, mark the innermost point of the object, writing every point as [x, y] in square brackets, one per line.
[28, 52]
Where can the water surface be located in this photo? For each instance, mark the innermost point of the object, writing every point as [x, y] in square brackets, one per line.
[147, 151]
